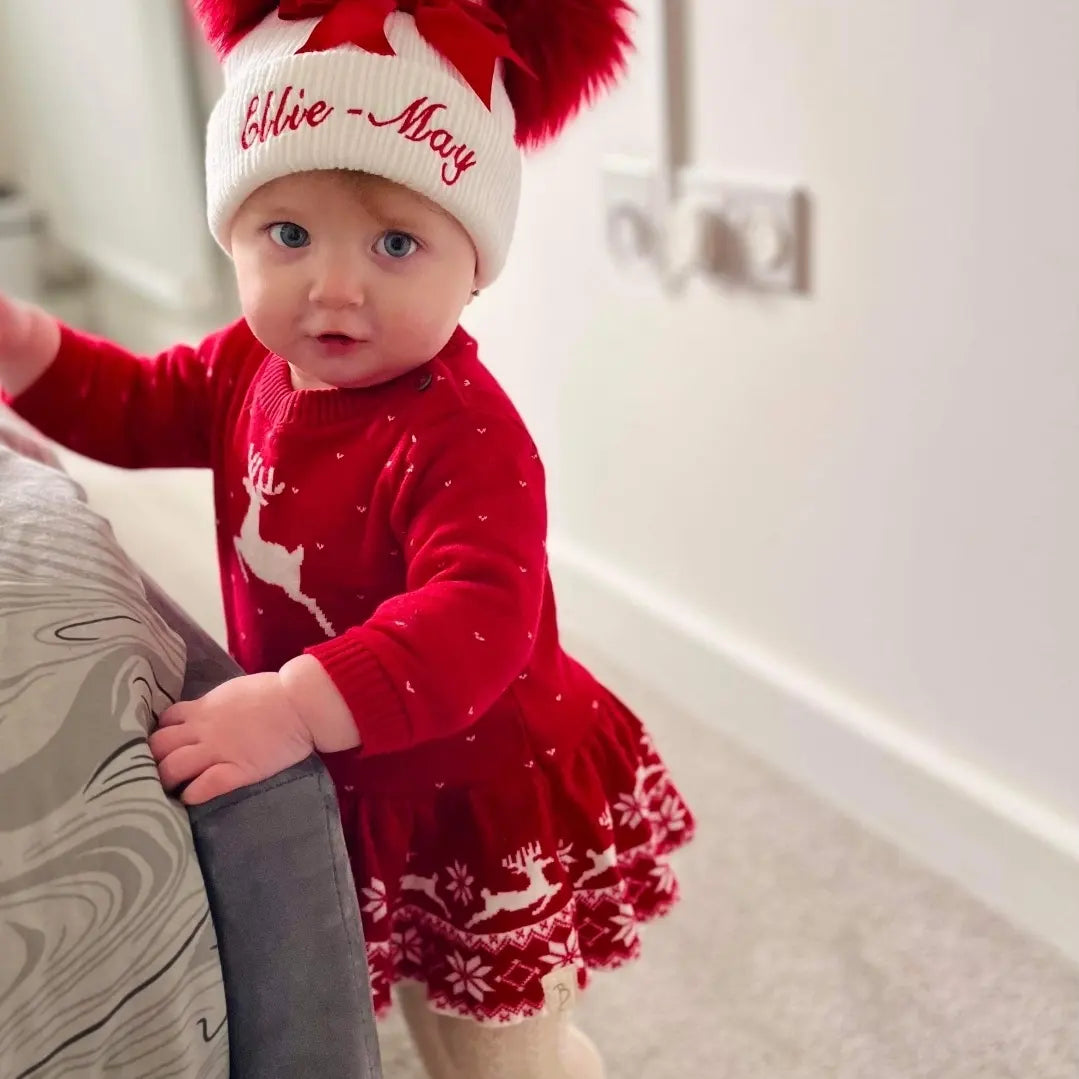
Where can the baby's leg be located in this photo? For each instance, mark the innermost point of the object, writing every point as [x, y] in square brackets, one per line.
[546, 1047]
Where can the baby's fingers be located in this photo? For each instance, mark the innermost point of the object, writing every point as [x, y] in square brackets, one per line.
[175, 713]
[215, 781]
[166, 740]
[184, 764]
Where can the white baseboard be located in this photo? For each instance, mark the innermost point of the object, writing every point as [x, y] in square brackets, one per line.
[1001, 845]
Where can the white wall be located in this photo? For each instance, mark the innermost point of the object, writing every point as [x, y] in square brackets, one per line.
[7, 148]
[867, 497]
[7, 135]
[104, 117]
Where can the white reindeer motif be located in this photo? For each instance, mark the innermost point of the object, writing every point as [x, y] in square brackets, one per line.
[410, 882]
[600, 861]
[270, 562]
[538, 894]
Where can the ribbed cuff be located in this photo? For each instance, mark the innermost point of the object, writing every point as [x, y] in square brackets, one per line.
[373, 699]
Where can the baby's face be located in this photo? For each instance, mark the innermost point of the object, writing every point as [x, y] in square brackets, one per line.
[350, 278]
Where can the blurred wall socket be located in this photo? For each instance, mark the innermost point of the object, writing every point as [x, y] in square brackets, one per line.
[755, 234]
[746, 235]
[632, 213]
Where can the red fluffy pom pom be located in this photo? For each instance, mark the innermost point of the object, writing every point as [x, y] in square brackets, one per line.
[225, 22]
[575, 48]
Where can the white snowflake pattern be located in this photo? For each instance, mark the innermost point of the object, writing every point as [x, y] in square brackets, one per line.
[630, 810]
[376, 899]
[565, 953]
[467, 976]
[605, 820]
[672, 813]
[407, 943]
[626, 920]
[380, 982]
[460, 883]
[664, 875]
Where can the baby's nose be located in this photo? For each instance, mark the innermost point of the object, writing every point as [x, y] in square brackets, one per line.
[339, 282]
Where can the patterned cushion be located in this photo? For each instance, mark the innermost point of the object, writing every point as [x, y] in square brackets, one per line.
[109, 956]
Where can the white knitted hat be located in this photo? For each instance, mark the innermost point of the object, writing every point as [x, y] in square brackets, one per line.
[411, 90]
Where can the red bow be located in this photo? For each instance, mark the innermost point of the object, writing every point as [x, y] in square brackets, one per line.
[469, 35]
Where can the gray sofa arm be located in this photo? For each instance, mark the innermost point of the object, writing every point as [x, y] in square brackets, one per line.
[284, 907]
[285, 910]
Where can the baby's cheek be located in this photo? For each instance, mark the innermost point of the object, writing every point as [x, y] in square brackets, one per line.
[256, 312]
[267, 307]
[427, 340]
[430, 325]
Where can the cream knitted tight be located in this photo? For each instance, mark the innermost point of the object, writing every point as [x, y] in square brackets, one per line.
[546, 1047]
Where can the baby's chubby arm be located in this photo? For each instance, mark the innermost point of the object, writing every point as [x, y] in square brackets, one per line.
[105, 402]
[470, 519]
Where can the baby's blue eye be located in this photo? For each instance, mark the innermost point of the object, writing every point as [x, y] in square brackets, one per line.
[287, 234]
[398, 245]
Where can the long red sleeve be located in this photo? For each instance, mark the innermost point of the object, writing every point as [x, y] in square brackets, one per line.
[395, 533]
[135, 412]
[470, 518]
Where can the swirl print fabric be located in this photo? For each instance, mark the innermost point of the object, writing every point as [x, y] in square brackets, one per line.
[108, 958]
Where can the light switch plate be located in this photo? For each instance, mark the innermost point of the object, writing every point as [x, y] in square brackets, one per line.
[744, 234]
[756, 232]
[629, 203]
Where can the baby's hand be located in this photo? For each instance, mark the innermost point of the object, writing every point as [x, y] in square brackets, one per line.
[240, 733]
[29, 342]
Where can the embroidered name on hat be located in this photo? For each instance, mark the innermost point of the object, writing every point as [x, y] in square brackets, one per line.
[415, 122]
[284, 119]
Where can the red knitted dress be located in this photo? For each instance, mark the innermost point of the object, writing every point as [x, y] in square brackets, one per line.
[505, 814]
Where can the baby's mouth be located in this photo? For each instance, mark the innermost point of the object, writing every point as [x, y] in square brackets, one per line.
[338, 346]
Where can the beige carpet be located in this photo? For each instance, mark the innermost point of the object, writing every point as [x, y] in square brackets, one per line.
[805, 948]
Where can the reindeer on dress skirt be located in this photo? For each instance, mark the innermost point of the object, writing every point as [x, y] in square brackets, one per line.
[540, 891]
